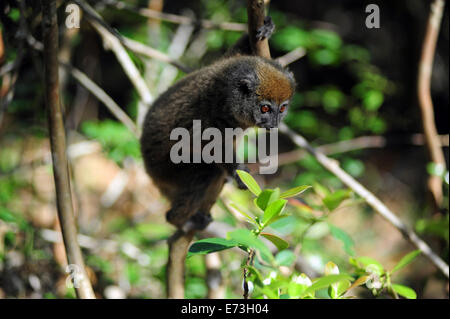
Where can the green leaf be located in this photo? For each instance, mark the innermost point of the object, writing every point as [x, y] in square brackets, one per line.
[267, 197]
[210, 245]
[342, 286]
[296, 290]
[276, 218]
[404, 291]
[372, 100]
[294, 191]
[333, 200]
[338, 288]
[256, 273]
[247, 239]
[285, 258]
[280, 243]
[249, 181]
[345, 238]
[406, 260]
[326, 281]
[234, 206]
[273, 210]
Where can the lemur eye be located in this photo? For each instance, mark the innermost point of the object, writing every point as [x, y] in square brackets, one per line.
[265, 108]
[283, 108]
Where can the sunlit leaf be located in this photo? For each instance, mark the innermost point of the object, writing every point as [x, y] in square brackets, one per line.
[274, 209]
[235, 207]
[266, 197]
[333, 200]
[404, 291]
[280, 243]
[326, 281]
[294, 191]
[249, 181]
[247, 239]
[406, 260]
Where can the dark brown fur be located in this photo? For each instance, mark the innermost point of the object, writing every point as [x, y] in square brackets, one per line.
[223, 95]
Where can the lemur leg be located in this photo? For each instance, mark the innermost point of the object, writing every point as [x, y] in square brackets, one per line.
[201, 219]
[192, 204]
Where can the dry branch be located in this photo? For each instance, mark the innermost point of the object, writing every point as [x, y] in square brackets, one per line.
[256, 14]
[111, 41]
[291, 56]
[372, 200]
[150, 52]
[58, 147]
[359, 143]
[103, 97]
[424, 95]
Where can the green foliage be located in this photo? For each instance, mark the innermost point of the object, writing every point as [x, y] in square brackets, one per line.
[333, 284]
[115, 138]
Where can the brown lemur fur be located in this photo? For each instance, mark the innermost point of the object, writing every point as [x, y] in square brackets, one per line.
[240, 90]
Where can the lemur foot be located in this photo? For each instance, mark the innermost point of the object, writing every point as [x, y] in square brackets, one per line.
[266, 30]
[199, 221]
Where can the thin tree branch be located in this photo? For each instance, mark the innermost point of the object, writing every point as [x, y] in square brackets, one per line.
[291, 56]
[359, 143]
[145, 50]
[177, 19]
[112, 42]
[95, 90]
[103, 97]
[372, 200]
[256, 14]
[135, 46]
[424, 95]
[58, 147]
[176, 50]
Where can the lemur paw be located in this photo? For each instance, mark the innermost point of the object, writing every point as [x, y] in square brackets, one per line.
[199, 221]
[240, 183]
[266, 30]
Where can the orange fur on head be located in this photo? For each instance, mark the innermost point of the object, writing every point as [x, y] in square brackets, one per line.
[274, 85]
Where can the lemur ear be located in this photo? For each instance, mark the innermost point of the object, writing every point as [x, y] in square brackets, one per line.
[247, 85]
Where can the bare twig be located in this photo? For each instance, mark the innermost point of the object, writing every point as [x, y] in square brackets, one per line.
[58, 146]
[256, 14]
[424, 95]
[176, 50]
[372, 200]
[359, 143]
[103, 97]
[97, 91]
[291, 56]
[111, 40]
[149, 52]
[154, 14]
